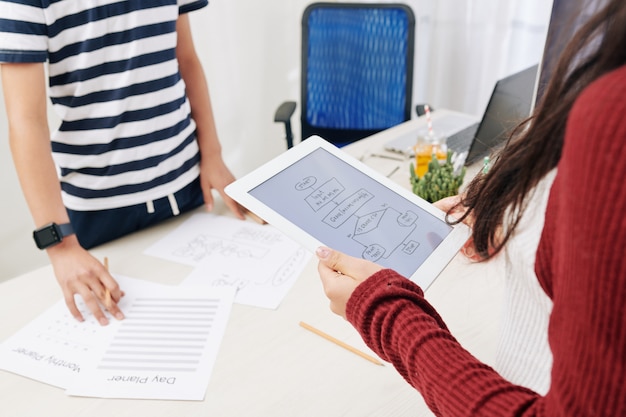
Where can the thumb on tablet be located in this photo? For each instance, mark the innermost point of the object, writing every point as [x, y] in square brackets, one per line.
[356, 268]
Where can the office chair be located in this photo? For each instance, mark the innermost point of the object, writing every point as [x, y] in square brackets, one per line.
[356, 71]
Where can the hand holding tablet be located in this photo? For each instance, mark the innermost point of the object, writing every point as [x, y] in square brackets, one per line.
[321, 196]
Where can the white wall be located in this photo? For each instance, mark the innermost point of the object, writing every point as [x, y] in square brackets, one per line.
[251, 54]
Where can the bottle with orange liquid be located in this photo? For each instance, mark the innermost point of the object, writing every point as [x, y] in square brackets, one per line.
[425, 148]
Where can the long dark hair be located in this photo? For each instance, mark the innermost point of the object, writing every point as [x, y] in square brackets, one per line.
[497, 199]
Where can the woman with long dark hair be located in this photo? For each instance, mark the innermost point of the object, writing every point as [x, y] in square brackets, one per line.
[579, 129]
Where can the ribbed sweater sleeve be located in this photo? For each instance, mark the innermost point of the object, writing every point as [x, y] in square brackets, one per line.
[581, 260]
[580, 263]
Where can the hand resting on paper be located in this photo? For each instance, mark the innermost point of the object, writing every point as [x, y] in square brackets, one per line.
[78, 272]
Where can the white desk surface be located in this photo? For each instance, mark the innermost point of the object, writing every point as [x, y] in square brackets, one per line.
[268, 365]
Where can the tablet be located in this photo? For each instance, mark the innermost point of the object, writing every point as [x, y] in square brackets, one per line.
[319, 195]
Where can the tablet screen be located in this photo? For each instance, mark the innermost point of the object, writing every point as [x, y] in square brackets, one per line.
[349, 211]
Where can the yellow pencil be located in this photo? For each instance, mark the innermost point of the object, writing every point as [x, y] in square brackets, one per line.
[107, 293]
[340, 343]
[255, 217]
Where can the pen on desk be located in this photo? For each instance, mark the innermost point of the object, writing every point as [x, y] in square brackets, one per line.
[340, 343]
[393, 171]
[395, 158]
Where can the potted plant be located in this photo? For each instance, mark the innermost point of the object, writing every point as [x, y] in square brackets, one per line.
[439, 181]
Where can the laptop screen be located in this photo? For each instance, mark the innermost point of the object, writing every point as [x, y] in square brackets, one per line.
[566, 18]
[510, 103]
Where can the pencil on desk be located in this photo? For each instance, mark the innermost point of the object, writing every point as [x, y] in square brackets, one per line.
[395, 158]
[255, 217]
[340, 343]
[107, 293]
[393, 171]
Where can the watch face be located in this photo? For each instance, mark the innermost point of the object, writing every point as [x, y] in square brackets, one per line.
[46, 236]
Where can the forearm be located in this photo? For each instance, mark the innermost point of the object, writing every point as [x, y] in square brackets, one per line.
[39, 182]
[396, 321]
[202, 112]
[214, 174]
[197, 92]
[37, 176]
[29, 136]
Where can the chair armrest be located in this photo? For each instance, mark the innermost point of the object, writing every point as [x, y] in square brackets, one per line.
[285, 111]
[283, 115]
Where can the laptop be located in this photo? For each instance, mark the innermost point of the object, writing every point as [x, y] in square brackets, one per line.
[470, 140]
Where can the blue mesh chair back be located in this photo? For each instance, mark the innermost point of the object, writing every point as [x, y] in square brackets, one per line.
[357, 69]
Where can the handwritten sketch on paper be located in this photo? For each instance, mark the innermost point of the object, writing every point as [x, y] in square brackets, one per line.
[164, 348]
[260, 261]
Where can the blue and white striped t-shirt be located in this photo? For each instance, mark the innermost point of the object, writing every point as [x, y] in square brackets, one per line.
[126, 134]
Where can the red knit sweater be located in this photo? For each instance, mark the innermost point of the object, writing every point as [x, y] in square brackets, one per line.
[581, 264]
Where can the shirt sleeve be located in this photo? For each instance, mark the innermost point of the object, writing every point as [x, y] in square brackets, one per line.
[395, 320]
[186, 6]
[23, 32]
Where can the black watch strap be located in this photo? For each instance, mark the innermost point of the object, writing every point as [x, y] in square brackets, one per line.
[52, 234]
[66, 229]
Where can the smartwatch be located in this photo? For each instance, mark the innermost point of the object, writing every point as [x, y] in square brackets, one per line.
[52, 234]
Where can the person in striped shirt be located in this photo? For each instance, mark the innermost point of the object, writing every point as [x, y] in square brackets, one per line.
[137, 141]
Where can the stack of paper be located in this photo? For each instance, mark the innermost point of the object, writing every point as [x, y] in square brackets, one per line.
[165, 348]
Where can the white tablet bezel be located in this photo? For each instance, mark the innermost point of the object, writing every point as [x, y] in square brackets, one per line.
[240, 192]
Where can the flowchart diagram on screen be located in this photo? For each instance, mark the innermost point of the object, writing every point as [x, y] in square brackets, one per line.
[368, 227]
